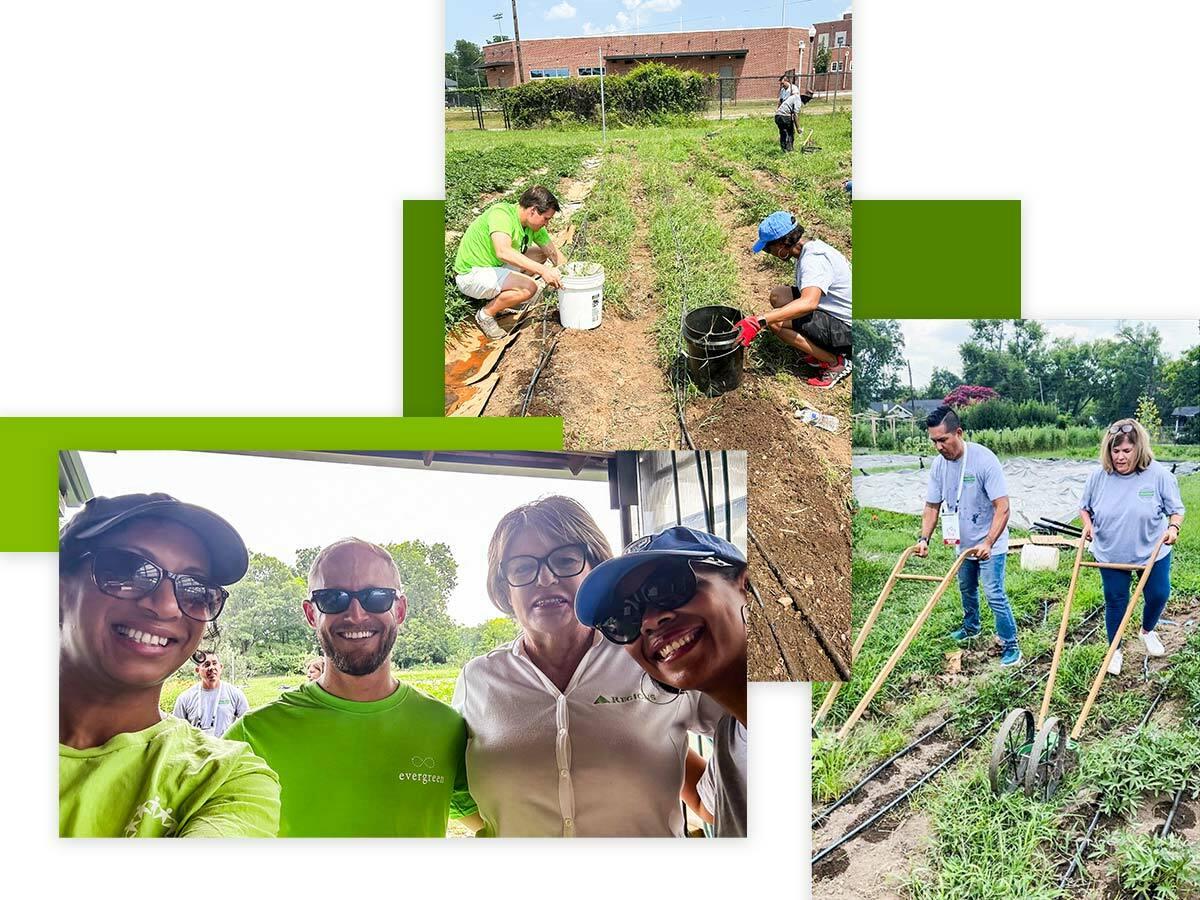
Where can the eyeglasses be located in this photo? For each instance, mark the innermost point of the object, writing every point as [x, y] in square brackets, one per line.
[565, 562]
[1121, 429]
[667, 587]
[332, 601]
[130, 576]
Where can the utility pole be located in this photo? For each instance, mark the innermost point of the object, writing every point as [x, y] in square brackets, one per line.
[517, 41]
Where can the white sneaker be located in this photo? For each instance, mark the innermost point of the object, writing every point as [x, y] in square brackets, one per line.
[1114, 665]
[488, 326]
[1154, 646]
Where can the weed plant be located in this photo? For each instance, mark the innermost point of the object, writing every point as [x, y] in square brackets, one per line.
[1150, 867]
[1123, 767]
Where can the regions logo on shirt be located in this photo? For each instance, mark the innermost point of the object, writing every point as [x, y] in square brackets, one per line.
[421, 772]
[1146, 494]
[629, 698]
[968, 479]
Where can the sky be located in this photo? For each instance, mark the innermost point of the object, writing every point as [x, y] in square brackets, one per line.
[934, 342]
[280, 505]
[471, 19]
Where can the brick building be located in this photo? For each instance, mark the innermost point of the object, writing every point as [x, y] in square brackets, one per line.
[837, 38]
[764, 53]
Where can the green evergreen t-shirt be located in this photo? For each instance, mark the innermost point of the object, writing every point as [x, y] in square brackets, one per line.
[383, 768]
[168, 780]
[475, 250]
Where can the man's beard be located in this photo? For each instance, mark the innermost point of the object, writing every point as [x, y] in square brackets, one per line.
[360, 663]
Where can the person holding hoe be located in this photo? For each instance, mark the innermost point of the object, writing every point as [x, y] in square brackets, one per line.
[813, 314]
[501, 253]
[967, 480]
[1127, 505]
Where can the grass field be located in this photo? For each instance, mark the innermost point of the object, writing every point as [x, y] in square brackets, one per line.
[972, 844]
[437, 682]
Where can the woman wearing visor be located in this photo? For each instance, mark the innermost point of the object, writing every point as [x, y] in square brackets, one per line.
[677, 602]
[141, 576]
[1127, 505]
[566, 736]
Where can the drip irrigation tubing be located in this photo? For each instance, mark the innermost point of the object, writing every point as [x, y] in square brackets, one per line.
[680, 387]
[841, 801]
[1086, 840]
[578, 243]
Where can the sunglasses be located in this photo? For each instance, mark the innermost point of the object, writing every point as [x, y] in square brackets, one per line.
[668, 587]
[332, 601]
[1121, 429]
[130, 576]
[565, 562]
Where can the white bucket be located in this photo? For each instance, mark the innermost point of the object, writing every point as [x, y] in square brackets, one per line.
[1039, 558]
[581, 297]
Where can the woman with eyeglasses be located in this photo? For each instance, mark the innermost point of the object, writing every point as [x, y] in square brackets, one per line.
[676, 601]
[566, 735]
[141, 576]
[1127, 505]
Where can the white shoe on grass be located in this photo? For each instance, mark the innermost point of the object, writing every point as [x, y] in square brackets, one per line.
[1114, 665]
[1154, 646]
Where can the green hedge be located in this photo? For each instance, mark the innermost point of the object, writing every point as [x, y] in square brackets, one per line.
[1007, 414]
[649, 93]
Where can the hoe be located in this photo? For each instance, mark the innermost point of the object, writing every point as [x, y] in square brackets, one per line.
[897, 575]
[1032, 754]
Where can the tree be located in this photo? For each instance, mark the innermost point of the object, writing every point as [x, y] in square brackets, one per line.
[878, 346]
[264, 619]
[498, 39]
[942, 382]
[1147, 414]
[821, 61]
[1181, 380]
[429, 574]
[464, 69]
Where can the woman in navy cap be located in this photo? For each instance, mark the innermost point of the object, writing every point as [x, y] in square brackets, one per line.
[141, 576]
[677, 602]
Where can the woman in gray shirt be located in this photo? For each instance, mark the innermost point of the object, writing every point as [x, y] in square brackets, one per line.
[1126, 506]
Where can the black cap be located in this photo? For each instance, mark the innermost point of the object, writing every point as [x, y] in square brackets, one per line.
[100, 514]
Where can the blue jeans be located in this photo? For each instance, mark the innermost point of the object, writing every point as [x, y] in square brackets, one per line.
[1154, 595]
[991, 572]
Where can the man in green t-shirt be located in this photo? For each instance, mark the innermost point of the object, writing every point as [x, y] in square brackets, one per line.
[357, 753]
[501, 250]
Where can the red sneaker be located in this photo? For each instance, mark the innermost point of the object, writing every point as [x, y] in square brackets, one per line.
[820, 364]
[831, 375]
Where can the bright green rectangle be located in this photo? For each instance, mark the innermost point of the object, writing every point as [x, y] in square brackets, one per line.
[424, 268]
[29, 446]
[937, 259]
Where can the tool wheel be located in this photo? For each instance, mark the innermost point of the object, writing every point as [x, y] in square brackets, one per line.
[1047, 760]
[1010, 753]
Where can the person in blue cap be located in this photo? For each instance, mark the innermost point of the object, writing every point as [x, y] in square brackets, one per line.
[677, 602]
[812, 315]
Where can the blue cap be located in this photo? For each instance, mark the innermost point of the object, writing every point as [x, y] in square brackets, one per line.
[595, 596]
[772, 228]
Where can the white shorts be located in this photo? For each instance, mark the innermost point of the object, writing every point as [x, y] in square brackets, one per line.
[485, 282]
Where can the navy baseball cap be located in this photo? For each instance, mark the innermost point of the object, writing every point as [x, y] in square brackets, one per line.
[772, 228]
[596, 598]
[100, 514]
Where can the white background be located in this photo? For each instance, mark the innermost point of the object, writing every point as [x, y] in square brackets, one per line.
[200, 213]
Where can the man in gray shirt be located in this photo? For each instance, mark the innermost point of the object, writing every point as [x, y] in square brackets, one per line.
[967, 480]
[211, 705]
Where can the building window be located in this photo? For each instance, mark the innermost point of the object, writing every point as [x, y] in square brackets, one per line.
[835, 65]
[586, 71]
[839, 39]
[549, 73]
[823, 41]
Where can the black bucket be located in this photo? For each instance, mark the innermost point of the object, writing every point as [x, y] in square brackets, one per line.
[714, 352]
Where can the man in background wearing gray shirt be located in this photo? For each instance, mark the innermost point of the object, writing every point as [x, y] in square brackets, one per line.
[814, 314]
[211, 705]
[967, 478]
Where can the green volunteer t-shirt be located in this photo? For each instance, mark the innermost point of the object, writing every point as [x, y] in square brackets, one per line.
[476, 250]
[168, 780]
[384, 768]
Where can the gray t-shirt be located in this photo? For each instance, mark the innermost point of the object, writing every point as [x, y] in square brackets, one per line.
[820, 265]
[722, 787]
[790, 105]
[213, 712]
[982, 483]
[1130, 512]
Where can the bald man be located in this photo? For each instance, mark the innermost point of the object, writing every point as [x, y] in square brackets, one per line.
[358, 753]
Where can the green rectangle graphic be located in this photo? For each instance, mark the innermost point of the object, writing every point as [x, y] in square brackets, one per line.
[423, 315]
[937, 259]
[29, 450]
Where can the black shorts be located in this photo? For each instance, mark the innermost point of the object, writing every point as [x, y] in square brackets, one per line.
[826, 331]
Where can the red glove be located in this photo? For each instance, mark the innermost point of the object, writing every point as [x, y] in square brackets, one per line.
[749, 328]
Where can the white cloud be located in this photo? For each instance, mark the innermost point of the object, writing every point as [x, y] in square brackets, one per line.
[660, 5]
[623, 21]
[563, 10]
[589, 28]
